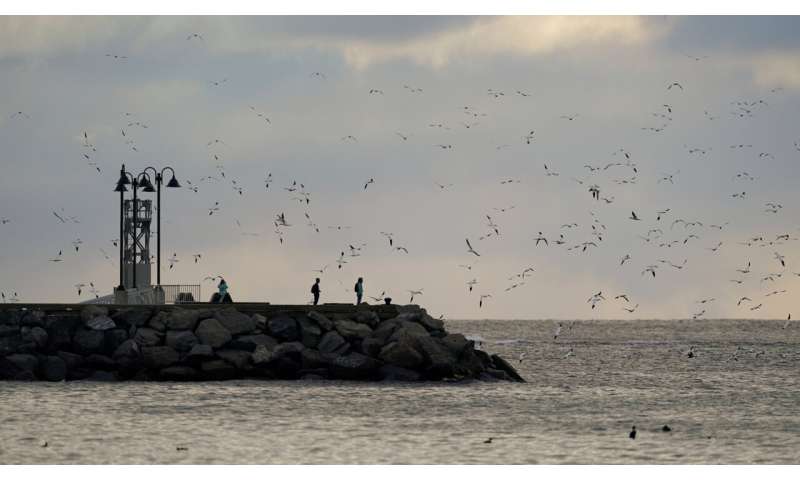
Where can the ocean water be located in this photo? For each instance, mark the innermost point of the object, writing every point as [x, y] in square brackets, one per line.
[736, 401]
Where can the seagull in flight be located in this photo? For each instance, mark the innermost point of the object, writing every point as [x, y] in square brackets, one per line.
[480, 301]
[195, 35]
[633, 216]
[674, 84]
[414, 293]
[470, 249]
[624, 259]
[371, 180]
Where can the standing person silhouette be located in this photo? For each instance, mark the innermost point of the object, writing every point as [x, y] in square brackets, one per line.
[315, 291]
[359, 290]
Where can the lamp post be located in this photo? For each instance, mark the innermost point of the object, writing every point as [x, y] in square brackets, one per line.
[173, 183]
[141, 180]
[147, 186]
[123, 180]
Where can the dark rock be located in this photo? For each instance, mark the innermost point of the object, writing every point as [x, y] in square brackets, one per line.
[8, 330]
[324, 323]
[137, 317]
[148, 337]
[90, 311]
[71, 360]
[501, 364]
[367, 317]
[158, 321]
[371, 347]
[250, 342]
[80, 373]
[310, 332]
[181, 340]
[385, 330]
[394, 373]
[179, 373]
[469, 364]
[100, 362]
[456, 343]
[101, 322]
[333, 343]
[218, 370]
[211, 332]
[311, 359]
[237, 323]
[10, 344]
[431, 324]
[237, 358]
[36, 335]
[200, 353]
[290, 349]
[440, 362]
[355, 366]
[157, 358]
[180, 319]
[284, 328]
[127, 354]
[313, 375]
[408, 331]
[262, 355]
[260, 321]
[52, 368]
[24, 361]
[60, 332]
[402, 353]
[33, 318]
[496, 374]
[114, 338]
[11, 371]
[88, 341]
[352, 330]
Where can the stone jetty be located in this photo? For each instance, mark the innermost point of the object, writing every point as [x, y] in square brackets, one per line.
[200, 342]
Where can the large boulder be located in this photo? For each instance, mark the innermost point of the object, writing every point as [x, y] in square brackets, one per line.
[33, 318]
[311, 359]
[159, 321]
[503, 365]
[148, 337]
[91, 311]
[59, 333]
[73, 361]
[284, 328]
[262, 355]
[393, 373]
[408, 330]
[11, 371]
[371, 347]
[88, 341]
[402, 354]
[212, 332]
[456, 343]
[8, 330]
[36, 335]
[431, 324]
[52, 369]
[200, 353]
[367, 317]
[114, 338]
[310, 332]
[127, 354]
[179, 373]
[180, 319]
[181, 340]
[10, 344]
[250, 342]
[440, 362]
[237, 358]
[100, 322]
[234, 321]
[324, 322]
[218, 370]
[333, 343]
[352, 330]
[137, 317]
[260, 321]
[100, 362]
[355, 366]
[25, 362]
[157, 358]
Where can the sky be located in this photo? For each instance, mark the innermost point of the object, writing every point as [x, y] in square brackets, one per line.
[448, 123]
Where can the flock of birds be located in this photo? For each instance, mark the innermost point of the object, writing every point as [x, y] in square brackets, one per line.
[660, 230]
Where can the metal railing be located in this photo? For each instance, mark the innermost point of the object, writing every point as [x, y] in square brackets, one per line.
[181, 293]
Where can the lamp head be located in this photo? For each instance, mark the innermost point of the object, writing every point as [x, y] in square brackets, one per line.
[147, 186]
[173, 183]
[120, 187]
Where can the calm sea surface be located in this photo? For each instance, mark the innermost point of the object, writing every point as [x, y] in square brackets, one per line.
[736, 401]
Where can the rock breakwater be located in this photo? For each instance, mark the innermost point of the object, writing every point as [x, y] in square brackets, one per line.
[216, 342]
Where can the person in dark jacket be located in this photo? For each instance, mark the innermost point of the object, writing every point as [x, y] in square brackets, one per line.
[359, 288]
[315, 291]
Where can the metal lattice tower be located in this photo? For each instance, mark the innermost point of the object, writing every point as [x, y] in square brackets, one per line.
[141, 237]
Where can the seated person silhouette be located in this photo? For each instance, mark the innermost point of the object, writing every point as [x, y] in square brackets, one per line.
[222, 296]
